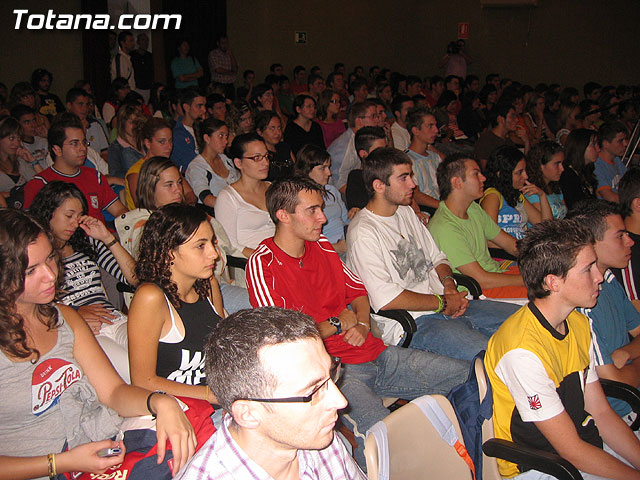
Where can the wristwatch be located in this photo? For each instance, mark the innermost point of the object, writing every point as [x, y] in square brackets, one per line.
[335, 321]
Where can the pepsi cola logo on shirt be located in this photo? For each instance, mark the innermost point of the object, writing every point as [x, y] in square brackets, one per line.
[49, 380]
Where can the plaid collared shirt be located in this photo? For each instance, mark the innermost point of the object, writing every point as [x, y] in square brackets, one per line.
[221, 458]
[218, 58]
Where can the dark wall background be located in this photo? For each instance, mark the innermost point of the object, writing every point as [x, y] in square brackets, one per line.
[559, 40]
[567, 41]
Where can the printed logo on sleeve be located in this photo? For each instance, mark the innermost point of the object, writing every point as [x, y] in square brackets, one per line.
[534, 402]
[49, 380]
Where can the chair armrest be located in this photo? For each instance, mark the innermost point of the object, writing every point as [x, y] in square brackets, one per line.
[499, 253]
[469, 283]
[531, 458]
[405, 319]
[626, 393]
[237, 262]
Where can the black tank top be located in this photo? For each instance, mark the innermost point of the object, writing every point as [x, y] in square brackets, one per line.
[183, 362]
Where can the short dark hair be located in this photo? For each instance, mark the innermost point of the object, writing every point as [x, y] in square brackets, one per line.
[74, 93]
[309, 157]
[298, 102]
[366, 136]
[188, 95]
[592, 215]
[214, 98]
[331, 77]
[629, 190]
[58, 130]
[239, 144]
[313, 77]
[452, 166]
[19, 110]
[609, 130]
[357, 83]
[415, 118]
[379, 165]
[550, 248]
[283, 194]
[501, 109]
[232, 351]
[590, 87]
[396, 104]
[273, 66]
[122, 36]
[298, 69]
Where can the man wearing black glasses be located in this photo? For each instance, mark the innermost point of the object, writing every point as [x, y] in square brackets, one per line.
[269, 369]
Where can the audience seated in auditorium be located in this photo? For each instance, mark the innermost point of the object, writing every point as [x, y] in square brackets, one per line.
[86, 248]
[118, 90]
[298, 260]
[47, 435]
[402, 268]
[35, 145]
[546, 392]
[506, 196]
[124, 151]
[462, 229]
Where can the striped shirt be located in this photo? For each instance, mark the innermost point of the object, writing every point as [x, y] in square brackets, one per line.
[82, 281]
[222, 458]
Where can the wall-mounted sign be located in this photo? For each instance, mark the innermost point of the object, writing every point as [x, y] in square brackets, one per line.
[301, 38]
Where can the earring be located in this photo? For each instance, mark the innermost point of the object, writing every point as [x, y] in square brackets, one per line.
[170, 263]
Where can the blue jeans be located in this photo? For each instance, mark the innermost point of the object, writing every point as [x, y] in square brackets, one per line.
[461, 337]
[397, 372]
[234, 297]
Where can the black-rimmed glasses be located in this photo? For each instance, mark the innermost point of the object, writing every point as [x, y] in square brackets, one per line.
[334, 375]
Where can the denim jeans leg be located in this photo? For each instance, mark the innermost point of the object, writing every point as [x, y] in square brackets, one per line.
[487, 315]
[408, 373]
[449, 336]
[365, 406]
[234, 297]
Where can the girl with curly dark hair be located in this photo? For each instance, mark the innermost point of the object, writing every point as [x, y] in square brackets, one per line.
[504, 198]
[85, 246]
[544, 167]
[51, 366]
[177, 304]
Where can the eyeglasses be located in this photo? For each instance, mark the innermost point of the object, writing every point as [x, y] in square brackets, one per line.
[77, 143]
[258, 157]
[375, 116]
[333, 100]
[334, 375]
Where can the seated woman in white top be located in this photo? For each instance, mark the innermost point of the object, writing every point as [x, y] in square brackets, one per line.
[212, 170]
[241, 208]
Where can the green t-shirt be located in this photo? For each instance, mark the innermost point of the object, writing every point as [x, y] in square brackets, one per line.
[465, 241]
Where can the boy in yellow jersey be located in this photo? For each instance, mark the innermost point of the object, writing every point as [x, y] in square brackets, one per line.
[540, 362]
